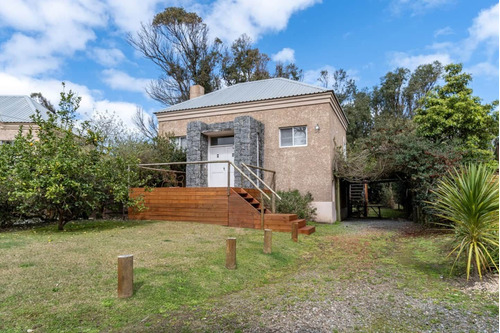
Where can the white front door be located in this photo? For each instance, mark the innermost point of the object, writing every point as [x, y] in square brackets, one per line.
[217, 172]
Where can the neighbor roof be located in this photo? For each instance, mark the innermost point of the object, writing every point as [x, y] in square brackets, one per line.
[248, 92]
[18, 109]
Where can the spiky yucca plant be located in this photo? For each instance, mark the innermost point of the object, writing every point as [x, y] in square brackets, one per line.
[468, 197]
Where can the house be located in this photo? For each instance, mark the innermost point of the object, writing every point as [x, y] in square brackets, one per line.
[15, 111]
[283, 125]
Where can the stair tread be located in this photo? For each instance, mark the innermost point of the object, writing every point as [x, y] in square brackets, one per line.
[308, 229]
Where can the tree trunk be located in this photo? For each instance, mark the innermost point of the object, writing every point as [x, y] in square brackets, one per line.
[61, 222]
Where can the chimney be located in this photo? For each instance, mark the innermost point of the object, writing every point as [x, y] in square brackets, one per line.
[196, 91]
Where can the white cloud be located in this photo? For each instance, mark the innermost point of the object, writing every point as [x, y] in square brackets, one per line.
[483, 69]
[129, 14]
[287, 55]
[482, 41]
[107, 57]
[416, 7]
[125, 111]
[20, 15]
[443, 32]
[51, 88]
[119, 80]
[47, 31]
[484, 29]
[311, 76]
[402, 59]
[229, 19]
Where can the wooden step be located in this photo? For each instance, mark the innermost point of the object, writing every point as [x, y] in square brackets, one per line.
[283, 223]
[307, 230]
[301, 222]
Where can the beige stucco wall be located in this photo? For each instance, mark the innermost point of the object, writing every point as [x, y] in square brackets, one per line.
[8, 131]
[306, 168]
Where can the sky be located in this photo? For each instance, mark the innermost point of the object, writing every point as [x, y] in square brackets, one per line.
[83, 42]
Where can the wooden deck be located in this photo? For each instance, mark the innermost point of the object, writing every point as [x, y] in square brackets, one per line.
[211, 205]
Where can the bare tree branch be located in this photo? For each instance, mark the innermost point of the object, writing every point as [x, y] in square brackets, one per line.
[147, 125]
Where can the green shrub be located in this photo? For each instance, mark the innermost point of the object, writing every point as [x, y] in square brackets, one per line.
[292, 202]
[468, 197]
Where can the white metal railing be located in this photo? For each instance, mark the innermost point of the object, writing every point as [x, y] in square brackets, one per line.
[229, 164]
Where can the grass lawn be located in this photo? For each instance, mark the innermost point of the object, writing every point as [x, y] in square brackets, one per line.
[387, 213]
[66, 281]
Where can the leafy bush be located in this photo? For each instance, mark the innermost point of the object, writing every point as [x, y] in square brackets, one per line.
[292, 202]
[65, 171]
[468, 197]
[387, 196]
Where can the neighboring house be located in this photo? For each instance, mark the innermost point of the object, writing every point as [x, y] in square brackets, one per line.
[279, 124]
[15, 111]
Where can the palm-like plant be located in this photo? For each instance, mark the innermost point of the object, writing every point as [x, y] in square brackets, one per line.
[468, 197]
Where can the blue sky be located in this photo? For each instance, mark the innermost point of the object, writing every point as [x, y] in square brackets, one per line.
[82, 42]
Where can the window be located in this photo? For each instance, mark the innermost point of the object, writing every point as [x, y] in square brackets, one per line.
[293, 136]
[222, 140]
[180, 142]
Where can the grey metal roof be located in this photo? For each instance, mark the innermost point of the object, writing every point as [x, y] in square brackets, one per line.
[248, 92]
[18, 109]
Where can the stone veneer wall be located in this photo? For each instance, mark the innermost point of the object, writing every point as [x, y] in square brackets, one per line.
[197, 150]
[247, 131]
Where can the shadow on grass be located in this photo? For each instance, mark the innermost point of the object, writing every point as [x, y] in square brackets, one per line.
[428, 255]
[94, 225]
[138, 285]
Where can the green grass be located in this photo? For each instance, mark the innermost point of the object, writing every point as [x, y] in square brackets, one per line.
[175, 265]
[387, 213]
[66, 281]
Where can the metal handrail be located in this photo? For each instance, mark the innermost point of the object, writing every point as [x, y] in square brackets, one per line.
[161, 170]
[207, 162]
[251, 181]
[260, 168]
[262, 181]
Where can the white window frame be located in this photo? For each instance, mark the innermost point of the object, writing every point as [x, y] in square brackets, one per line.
[178, 141]
[293, 138]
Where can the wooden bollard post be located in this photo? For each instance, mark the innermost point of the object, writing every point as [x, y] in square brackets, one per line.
[125, 276]
[268, 238]
[231, 253]
[295, 231]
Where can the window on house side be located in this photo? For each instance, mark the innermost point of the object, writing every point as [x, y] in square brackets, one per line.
[180, 142]
[293, 136]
